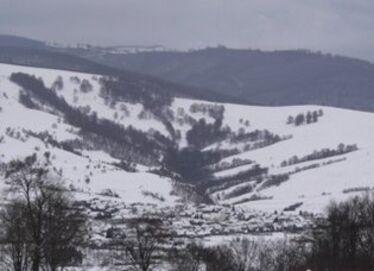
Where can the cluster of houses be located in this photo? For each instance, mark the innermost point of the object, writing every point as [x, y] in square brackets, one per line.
[201, 221]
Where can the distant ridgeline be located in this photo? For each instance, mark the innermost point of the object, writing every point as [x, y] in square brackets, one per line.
[293, 77]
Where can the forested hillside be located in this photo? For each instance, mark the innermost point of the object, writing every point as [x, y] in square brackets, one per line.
[260, 77]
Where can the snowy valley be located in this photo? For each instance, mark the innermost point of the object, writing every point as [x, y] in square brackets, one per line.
[211, 170]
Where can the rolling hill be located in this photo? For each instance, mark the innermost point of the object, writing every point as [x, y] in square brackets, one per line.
[107, 137]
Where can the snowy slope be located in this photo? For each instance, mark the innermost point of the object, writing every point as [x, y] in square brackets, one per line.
[311, 184]
[72, 94]
[91, 173]
[313, 187]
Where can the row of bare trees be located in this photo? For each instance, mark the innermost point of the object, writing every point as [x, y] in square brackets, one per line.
[142, 246]
[341, 241]
[241, 255]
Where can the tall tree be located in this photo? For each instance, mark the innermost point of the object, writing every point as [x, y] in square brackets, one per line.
[51, 225]
[142, 242]
[300, 119]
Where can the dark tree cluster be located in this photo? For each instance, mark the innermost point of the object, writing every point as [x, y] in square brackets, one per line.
[265, 136]
[256, 173]
[27, 101]
[293, 207]
[126, 165]
[135, 92]
[193, 165]
[305, 118]
[275, 180]
[153, 98]
[213, 110]
[321, 154]
[236, 162]
[58, 84]
[344, 241]
[203, 134]
[75, 79]
[238, 191]
[189, 163]
[85, 86]
[254, 197]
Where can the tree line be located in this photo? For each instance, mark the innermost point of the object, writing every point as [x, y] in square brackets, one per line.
[305, 118]
[320, 154]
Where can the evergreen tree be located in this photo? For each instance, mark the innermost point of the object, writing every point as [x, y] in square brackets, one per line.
[300, 119]
[315, 116]
[309, 117]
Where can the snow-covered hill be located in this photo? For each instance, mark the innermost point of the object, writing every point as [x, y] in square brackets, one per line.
[264, 158]
[92, 173]
[313, 182]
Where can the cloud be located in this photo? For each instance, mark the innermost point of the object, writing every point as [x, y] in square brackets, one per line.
[337, 26]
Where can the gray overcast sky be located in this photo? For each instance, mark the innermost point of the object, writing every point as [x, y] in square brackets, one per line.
[336, 26]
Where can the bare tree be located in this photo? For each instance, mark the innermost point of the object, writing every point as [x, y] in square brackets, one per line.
[366, 242]
[245, 254]
[64, 230]
[345, 239]
[188, 258]
[50, 224]
[16, 239]
[26, 180]
[142, 242]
